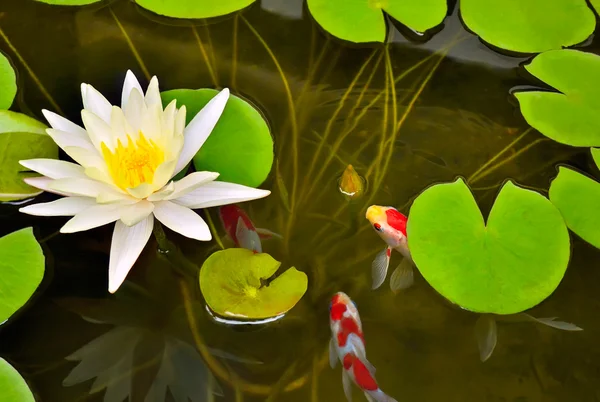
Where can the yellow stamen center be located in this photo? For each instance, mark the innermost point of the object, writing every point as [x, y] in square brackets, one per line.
[133, 164]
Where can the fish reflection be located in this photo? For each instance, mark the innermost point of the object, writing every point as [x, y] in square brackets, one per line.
[241, 230]
[391, 227]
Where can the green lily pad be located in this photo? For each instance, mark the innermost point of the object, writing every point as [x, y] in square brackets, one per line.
[232, 282]
[21, 270]
[364, 20]
[8, 83]
[13, 386]
[240, 147]
[21, 137]
[571, 116]
[578, 199]
[530, 26]
[69, 2]
[193, 8]
[505, 267]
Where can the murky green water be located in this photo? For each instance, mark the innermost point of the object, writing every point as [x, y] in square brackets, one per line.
[449, 113]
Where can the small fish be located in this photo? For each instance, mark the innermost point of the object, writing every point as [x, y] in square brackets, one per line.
[347, 345]
[391, 227]
[241, 230]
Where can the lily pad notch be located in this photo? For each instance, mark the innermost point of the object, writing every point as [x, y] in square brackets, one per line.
[506, 266]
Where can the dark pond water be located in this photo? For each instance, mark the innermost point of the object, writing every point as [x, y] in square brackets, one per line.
[449, 113]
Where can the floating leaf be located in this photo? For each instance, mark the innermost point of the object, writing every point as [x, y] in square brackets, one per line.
[21, 270]
[364, 21]
[21, 137]
[13, 386]
[571, 116]
[508, 266]
[578, 199]
[351, 184]
[240, 148]
[232, 282]
[194, 8]
[531, 26]
[69, 2]
[8, 83]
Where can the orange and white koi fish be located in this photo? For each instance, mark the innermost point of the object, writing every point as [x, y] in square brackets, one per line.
[241, 230]
[348, 346]
[391, 227]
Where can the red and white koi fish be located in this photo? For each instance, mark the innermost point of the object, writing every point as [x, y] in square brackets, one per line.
[348, 346]
[391, 227]
[241, 230]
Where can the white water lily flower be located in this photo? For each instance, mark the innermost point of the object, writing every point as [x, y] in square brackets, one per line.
[126, 159]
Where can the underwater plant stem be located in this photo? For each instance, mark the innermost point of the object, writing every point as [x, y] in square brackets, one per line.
[216, 368]
[179, 262]
[314, 383]
[33, 76]
[137, 56]
[209, 66]
[211, 50]
[482, 170]
[234, 53]
[213, 229]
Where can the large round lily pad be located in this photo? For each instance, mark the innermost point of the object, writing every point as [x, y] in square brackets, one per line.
[69, 2]
[194, 8]
[21, 270]
[507, 266]
[578, 199]
[529, 26]
[233, 282]
[364, 20]
[8, 83]
[21, 137]
[572, 115]
[13, 386]
[240, 147]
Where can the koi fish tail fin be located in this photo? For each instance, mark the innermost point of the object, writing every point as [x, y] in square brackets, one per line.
[379, 267]
[267, 234]
[403, 276]
[247, 238]
[378, 396]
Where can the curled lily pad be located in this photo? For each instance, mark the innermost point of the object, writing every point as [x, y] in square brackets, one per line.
[578, 198]
[8, 83]
[531, 26]
[240, 147]
[21, 270]
[507, 266]
[572, 115]
[194, 8]
[21, 137]
[364, 20]
[233, 282]
[13, 386]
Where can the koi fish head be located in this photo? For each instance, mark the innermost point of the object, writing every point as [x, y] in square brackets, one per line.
[340, 303]
[387, 222]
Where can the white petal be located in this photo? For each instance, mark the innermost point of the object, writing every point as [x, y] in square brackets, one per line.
[66, 139]
[163, 174]
[83, 187]
[190, 183]
[44, 183]
[130, 83]
[60, 123]
[95, 102]
[182, 220]
[134, 110]
[151, 124]
[86, 158]
[142, 191]
[98, 130]
[153, 94]
[67, 206]
[97, 215]
[119, 125]
[200, 127]
[114, 197]
[126, 246]
[134, 213]
[168, 119]
[165, 191]
[220, 193]
[179, 121]
[53, 168]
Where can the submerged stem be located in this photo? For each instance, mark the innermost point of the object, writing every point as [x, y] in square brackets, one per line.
[209, 65]
[131, 45]
[213, 229]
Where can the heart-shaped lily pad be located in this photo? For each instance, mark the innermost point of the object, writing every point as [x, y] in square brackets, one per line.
[571, 116]
[193, 8]
[507, 266]
[364, 20]
[21, 270]
[13, 386]
[8, 83]
[233, 282]
[21, 137]
[578, 199]
[240, 147]
[530, 26]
